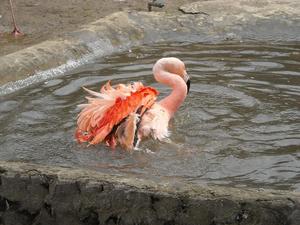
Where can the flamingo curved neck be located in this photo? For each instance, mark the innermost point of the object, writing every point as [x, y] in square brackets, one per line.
[179, 90]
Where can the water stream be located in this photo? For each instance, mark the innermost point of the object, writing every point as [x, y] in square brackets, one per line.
[239, 126]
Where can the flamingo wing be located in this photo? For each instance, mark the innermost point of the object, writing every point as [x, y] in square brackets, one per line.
[112, 106]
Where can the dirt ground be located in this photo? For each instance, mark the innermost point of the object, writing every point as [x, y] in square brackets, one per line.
[40, 20]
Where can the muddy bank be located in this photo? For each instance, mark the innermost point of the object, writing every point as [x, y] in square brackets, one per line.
[47, 20]
[200, 22]
[32, 194]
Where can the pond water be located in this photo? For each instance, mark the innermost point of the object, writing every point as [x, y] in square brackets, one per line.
[239, 126]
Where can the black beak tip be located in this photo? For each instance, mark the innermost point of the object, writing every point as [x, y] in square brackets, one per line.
[188, 84]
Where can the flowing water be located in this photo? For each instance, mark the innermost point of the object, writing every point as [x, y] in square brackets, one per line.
[239, 126]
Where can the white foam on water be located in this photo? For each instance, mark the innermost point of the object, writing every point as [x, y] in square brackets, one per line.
[97, 49]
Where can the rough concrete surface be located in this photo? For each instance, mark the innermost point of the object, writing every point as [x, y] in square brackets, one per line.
[33, 194]
[238, 20]
[42, 20]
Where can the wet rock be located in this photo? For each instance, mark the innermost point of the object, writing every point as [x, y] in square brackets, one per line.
[193, 8]
[26, 192]
[14, 218]
[294, 218]
[155, 3]
[243, 8]
[42, 195]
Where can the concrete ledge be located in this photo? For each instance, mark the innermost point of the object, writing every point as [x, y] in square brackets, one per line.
[204, 21]
[34, 194]
[98, 38]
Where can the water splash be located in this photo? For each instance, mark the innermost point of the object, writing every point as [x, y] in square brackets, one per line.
[96, 49]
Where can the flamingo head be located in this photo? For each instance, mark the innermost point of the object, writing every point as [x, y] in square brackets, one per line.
[176, 66]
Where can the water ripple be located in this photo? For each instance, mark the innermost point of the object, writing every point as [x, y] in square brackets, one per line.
[239, 126]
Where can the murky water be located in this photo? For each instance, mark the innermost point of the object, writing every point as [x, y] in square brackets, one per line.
[240, 125]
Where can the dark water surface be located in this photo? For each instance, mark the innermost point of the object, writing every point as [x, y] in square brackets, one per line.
[240, 125]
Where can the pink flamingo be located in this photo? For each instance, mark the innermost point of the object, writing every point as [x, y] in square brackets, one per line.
[125, 114]
[16, 32]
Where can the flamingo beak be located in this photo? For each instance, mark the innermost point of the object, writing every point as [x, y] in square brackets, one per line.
[186, 78]
[188, 84]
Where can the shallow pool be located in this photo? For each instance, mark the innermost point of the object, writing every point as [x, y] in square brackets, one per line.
[239, 126]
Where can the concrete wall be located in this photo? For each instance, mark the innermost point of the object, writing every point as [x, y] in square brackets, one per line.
[33, 194]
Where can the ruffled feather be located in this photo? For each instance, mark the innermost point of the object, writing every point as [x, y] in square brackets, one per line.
[108, 108]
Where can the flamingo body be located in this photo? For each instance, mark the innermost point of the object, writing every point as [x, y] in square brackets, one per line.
[124, 114]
